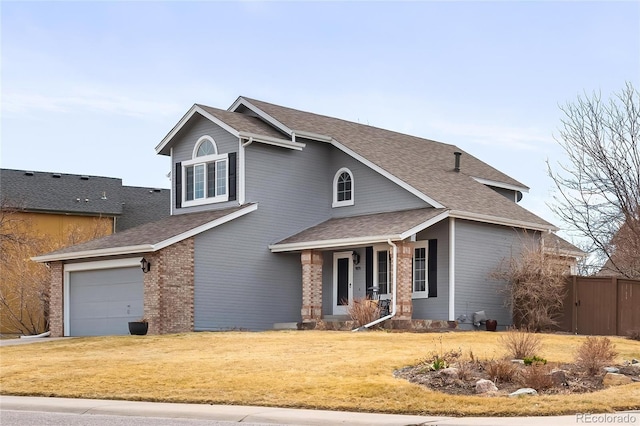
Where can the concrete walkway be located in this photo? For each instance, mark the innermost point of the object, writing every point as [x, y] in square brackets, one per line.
[238, 413]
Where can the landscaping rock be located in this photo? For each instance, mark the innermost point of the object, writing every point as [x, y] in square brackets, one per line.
[523, 392]
[612, 370]
[635, 361]
[517, 361]
[449, 374]
[615, 379]
[484, 386]
[558, 377]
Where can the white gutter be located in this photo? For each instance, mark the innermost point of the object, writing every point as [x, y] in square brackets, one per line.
[394, 277]
[248, 142]
[284, 143]
[338, 242]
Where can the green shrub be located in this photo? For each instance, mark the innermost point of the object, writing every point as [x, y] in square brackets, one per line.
[534, 359]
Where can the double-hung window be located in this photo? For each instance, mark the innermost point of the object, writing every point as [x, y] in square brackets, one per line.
[381, 273]
[206, 175]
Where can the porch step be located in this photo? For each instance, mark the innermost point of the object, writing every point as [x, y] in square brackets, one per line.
[285, 326]
[333, 318]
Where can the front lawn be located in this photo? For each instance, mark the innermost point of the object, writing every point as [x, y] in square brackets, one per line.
[311, 369]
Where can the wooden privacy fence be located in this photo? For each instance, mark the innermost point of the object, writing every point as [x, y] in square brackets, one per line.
[601, 306]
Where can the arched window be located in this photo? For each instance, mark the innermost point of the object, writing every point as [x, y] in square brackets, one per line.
[343, 188]
[205, 176]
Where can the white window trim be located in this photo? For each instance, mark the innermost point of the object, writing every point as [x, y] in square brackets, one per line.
[204, 160]
[337, 203]
[420, 294]
[199, 142]
[376, 250]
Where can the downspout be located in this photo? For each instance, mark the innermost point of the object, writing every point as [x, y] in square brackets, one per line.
[248, 142]
[394, 276]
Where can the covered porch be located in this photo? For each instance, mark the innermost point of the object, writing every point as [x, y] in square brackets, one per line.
[387, 256]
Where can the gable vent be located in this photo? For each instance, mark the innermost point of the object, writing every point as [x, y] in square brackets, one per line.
[28, 173]
[85, 177]
[56, 175]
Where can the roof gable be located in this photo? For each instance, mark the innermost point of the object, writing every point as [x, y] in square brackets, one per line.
[239, 125]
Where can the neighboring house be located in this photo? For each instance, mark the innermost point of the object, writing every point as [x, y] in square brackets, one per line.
[284, 216]
[623, 261]
[66, 208]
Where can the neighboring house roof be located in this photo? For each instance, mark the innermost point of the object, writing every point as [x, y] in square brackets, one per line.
[364, 229]
[48, 192]
[554, 244]
[425, 165]
[149, 237]
[142, 205]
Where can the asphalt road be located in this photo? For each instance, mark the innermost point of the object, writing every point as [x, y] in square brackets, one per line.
[41, 418]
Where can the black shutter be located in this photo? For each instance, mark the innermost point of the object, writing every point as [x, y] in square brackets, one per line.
[177, 179]
[368, 276]
[432, 276]
[233, 176]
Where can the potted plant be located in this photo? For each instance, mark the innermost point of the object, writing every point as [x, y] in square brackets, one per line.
[139, 328]
[491, 325]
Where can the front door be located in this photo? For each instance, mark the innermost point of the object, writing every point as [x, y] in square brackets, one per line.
[342, 282]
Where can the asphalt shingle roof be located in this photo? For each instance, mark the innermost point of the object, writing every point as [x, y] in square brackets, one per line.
[371, 225]
[424, 164]
[142, 205]
[243, 122]
[150, 233]
[61, 192]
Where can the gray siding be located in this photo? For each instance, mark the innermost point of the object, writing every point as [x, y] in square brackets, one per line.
[507, 193]
[480, 250]
[239, 283]
[436, 308]
[373, 193]
[183, 150]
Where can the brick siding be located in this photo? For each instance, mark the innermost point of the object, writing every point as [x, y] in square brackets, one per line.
[56, 301]
[169, 289]
[405, 281]
[311, 285]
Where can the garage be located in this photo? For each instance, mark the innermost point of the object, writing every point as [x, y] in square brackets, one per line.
[102, 301]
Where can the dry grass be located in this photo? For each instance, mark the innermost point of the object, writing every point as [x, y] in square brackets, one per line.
[322, 370]
[594, 354]
[501, 371]
[363, 311]
[521, 343]
[537, 376]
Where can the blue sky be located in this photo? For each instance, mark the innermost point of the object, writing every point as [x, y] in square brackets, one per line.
[92, 87]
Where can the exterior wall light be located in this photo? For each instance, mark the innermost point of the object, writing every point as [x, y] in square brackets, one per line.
[356, 258]
[145, 265]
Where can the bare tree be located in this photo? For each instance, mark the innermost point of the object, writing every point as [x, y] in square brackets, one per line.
[536, 286]
[598, 189]
[24, 284]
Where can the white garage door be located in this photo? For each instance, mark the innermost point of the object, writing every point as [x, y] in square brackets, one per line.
[102, 302]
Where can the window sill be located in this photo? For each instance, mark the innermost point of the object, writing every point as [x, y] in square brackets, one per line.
[205, 201]
[342, 203]
[419, 295]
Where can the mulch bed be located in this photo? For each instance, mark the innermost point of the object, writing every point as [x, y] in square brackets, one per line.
[464, 383]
